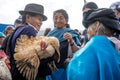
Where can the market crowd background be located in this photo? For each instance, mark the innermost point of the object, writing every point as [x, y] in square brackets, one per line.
[9, 10]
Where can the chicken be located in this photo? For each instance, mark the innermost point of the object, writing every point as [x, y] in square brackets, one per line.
[28, 54]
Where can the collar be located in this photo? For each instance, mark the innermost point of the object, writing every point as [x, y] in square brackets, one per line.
[33, 27]
[116, 42]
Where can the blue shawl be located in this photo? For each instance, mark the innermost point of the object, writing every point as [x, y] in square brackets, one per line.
[58, 33]
[98, 60]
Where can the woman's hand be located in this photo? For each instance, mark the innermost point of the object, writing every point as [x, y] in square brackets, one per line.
[68, 36]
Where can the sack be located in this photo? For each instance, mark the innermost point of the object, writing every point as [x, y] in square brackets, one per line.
[4, 69]
[6, 58]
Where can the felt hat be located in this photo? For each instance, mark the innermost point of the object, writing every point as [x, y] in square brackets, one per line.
[34, 8]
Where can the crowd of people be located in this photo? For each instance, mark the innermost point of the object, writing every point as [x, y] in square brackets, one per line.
[91, 55]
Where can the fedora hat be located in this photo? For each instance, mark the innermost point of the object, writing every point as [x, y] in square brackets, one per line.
[34, 8]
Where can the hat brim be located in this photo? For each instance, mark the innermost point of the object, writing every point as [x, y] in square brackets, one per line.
[44, 17]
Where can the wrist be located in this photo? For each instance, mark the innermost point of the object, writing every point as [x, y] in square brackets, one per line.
[71, 44]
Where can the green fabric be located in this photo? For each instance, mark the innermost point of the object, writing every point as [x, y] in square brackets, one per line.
[2, 34]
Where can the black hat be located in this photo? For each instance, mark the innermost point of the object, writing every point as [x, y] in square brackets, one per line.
[90, 5]
[34, 8]
[18, 20]
[115, 5]
[105, 16]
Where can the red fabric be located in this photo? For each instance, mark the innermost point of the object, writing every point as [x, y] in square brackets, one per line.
[3, 55]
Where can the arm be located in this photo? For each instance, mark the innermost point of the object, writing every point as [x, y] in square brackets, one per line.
[73, 45]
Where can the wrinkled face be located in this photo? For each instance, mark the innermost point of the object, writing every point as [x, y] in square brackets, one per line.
[59, 20]
[36, 21]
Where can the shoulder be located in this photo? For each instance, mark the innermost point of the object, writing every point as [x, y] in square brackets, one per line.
[28, 30]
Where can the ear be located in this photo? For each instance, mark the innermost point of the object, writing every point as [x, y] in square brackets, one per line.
[27, 16]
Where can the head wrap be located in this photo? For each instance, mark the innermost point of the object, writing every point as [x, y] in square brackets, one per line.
[105, 16]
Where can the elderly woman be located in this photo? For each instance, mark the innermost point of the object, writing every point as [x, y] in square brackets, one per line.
[32, 19]
[99, 58]
[60, 18]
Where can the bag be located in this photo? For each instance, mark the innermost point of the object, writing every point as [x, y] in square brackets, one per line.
[6, 59]
[4, 67]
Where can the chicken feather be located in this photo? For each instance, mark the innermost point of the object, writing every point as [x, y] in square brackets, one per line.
[28, 54]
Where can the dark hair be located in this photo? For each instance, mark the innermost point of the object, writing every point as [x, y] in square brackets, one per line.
[90, 5]
[65, 14]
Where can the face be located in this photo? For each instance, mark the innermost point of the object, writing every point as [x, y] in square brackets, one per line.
[59, 20]
[86, 9]
[36, 21]
[1, 40]
[117, 13]
[9, 31]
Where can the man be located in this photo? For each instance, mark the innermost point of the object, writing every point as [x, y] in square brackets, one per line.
[18, 22]
[89, 6]
[32, 18]
[86, 10]
[116, 7]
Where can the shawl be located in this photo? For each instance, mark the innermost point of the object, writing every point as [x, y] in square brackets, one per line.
[58, 32]
[97, 60]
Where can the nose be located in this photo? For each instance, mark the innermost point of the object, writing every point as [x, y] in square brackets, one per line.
[57, 20]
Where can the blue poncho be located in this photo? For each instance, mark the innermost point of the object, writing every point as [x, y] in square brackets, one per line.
[98, 60]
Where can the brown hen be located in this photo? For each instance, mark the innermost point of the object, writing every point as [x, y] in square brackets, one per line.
[28, 54]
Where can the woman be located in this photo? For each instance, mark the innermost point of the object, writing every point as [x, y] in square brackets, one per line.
[99, 58]
[64, 33]
[32, 18]
[9, 30]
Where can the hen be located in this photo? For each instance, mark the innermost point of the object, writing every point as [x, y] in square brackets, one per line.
[28, 54]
